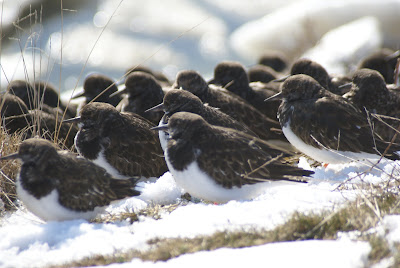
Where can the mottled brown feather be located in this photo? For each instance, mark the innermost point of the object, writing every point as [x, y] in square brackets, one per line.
[129, 144]
[230, 157]
[81, 185]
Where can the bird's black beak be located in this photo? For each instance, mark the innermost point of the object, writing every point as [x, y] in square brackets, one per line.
[211, 81]
[72, 120]
[157, 108]
[277, 96]
[347, 85]
[78, 95]
[10, 156]
[160, 128]
[119, 92]
[282, 79]
[393, 56]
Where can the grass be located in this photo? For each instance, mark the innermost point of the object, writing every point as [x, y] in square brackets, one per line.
[360, 215]
[354, 216]
[8, 169]
[153, 211]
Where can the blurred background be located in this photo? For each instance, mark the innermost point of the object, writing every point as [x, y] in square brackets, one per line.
[63, 41]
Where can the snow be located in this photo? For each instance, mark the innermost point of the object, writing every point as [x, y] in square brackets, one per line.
[390, 227]
[347, 44]
[285, 254]
[295, 28]
[27, 241]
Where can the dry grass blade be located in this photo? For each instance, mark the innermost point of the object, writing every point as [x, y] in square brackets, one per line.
[247, 176]
[9, 169]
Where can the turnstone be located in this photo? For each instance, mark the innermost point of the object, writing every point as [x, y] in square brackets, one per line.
[29, 123]
[383, 61]
[325, 126]
[122, 143]
[143, 92]
[233, 77]
[25, 92]
[274, 59]
[370, 94]
[11, 107]
[51, 127]
[98, 88]
[159, 76]
[57, 185]
[221, 164]
[261, 73]
[51, 97]
[318, 72]
[41, 96]
[177, 100]
[265, 127]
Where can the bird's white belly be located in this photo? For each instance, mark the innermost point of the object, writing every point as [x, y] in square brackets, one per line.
[49, 209]
[163, 136]
[102, 162]
[324, 155]
[198, 184]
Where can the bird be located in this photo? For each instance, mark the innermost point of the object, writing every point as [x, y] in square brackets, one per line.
[58, 186]
[120, 142]
[232, 76]
[221, 164]
[177, 100]
[41, 95]
[371, 95]
[98, 88]
[11, 106]
[319, 73]
[29, 123]
[261, 73]
[234, 106]
[159, 76]
[384, 61]
[369, 90]
[274, 59]
[25, 91]
[142, 93]
[51, 127]
[325, 126]
[51, 97]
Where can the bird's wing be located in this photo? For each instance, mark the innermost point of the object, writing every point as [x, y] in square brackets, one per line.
[335, 125]
[138, 153]
[236, 159]
[86, 185]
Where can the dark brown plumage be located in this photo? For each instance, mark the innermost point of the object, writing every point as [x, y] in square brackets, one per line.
[29, 123]
[318, 72]
[41, 95]
[123, 140]
[228, 157]
[233, 77]
[261, 73]
[11, 107]
[371, 95]
[143, 92]
[183, 101]
[25, 92]
[236, 107]
[50, 97]
[81, 186]
[52, 128]
[316, 115]
[159, 76]
[93, 88]
[274, 59]
[384, 61]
